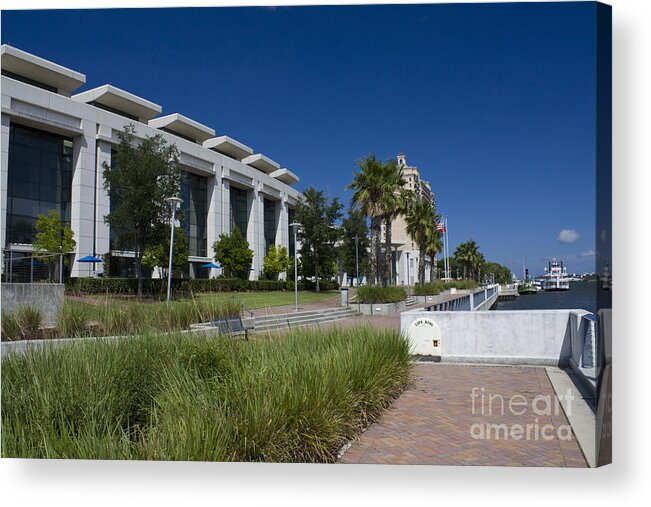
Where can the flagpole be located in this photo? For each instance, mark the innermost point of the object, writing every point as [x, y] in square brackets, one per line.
[447, 241]
[445, 250]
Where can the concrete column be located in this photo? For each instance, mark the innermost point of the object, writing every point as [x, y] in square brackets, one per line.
[225, 225]
[4, 177]
[214, 218]
[282, 226]
[83, 196]
[102, 203]
[256, 230]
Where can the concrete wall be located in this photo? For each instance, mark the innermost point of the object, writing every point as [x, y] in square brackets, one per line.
[380, 309]
[47, 297]
[515, 337]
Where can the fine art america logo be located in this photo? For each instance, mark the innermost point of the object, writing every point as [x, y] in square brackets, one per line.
[533, 415]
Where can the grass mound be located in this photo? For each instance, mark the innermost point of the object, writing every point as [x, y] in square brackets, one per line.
[296, 398]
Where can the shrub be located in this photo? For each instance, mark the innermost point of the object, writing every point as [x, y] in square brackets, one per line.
[185, 286]
[377, 294]
[297, 398]
[430, 289]
[462, 284]
[276, 261]
[233, 253]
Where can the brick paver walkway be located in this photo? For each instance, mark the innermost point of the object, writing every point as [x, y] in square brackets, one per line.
[433, 422]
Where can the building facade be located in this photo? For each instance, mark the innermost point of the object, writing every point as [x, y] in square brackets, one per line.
[54, 144]
[405, 252]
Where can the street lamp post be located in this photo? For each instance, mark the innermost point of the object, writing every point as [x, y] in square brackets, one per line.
[173, 202]
[408, 277]
[295, 225]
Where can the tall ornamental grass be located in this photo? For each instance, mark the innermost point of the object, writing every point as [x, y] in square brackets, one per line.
[112, 318]
[292, 398]
[24, 322]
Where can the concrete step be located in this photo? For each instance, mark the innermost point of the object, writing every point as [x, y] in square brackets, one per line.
[298, 315]
[296, 320]
[410, 302]
[301, 323]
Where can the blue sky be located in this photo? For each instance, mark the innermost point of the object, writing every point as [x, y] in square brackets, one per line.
[493, 102]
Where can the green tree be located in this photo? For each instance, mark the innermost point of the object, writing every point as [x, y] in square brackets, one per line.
[317, 215]
[276, 261]
[421, 227]
[502, 274]
[141, 175]
[53, 237]
[354, 225]
[433, 247]
[368, 190]
[468, 255]
[393, 203]
[232, 252]
[453, 264]
[158, 254]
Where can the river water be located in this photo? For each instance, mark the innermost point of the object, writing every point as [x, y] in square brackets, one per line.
[582, 296]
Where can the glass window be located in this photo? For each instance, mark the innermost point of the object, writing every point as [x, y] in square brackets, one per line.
[194, 192]
[39, 180]
[239, 209]
[269, 223]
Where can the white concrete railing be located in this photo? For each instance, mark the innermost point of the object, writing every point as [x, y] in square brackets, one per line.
[550, 337]
[474, 300]
[574, 338]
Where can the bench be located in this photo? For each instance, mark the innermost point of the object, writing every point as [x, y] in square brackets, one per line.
[235, 326]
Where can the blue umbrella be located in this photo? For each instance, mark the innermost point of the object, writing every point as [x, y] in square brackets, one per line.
[211, 265]
[90, 258]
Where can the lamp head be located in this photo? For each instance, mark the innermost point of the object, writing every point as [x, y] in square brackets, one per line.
[173, 201]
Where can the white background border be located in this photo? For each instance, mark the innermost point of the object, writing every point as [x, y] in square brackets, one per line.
[52, 483]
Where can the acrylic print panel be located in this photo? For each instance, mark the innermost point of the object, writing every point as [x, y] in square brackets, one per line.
[391, 249]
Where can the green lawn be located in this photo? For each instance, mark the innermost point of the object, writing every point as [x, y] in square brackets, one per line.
[264, 299]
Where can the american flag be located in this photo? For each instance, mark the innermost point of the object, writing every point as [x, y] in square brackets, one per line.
[440, 227]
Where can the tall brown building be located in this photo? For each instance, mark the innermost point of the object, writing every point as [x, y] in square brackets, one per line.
[403, 246]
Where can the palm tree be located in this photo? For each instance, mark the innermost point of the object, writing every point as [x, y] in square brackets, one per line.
[368, 191]
[420, 221]
[478, 262]
[434, 246]
[393, 203]
[468, 255]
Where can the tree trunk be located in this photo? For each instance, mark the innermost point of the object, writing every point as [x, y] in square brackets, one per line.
[139, 275]
[376, 248]
[432, 269]
[138, 263]
[389, 256]
[316, 272]
[421, 265]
